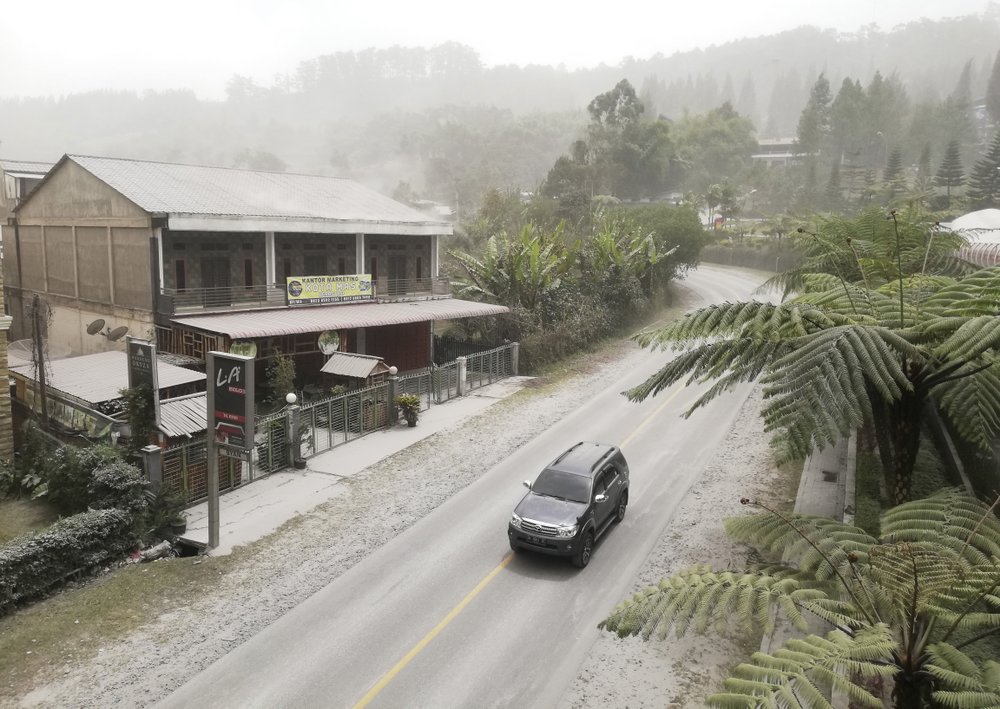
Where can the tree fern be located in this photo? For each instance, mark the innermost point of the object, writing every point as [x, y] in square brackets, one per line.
[932, 577]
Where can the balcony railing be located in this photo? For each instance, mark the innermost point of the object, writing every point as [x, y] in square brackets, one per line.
[174, 301]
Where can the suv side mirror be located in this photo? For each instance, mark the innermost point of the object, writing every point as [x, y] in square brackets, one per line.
[527, 484]
[600, 497]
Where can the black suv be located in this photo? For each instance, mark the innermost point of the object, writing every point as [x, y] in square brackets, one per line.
[574, 500]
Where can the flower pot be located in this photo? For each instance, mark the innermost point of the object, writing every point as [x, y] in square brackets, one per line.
[178, 526]
[411, 422]
[299, 464]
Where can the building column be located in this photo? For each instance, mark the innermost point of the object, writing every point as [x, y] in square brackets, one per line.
[435, 242]
[158, 235]
[359, 254]
[271, 271]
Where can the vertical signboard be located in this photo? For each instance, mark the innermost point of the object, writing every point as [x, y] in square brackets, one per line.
[142, 369]
[230, 419]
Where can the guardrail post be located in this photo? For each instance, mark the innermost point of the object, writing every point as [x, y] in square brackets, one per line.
[515, 348]
[460, 361]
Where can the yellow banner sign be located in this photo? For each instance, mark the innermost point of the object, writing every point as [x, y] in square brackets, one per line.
[316, 290]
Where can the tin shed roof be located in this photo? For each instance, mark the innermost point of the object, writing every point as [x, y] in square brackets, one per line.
[350, 364]
[184, 415]
[292, 321]
[100, 377]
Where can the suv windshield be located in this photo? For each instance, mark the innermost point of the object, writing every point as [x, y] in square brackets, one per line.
[567, 486]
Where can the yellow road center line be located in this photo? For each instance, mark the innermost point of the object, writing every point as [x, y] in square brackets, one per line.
[425, 641]
[381, 684]
[653, 415]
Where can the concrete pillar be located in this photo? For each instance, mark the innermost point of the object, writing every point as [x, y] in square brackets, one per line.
[393, 409]
[515, 351]
[271, 273]
[152, 463]
[461, 375]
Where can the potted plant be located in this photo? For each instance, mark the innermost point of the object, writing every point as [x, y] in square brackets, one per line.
[409, 406]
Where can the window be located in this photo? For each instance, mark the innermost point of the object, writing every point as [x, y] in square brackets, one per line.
[248, 272]
[374, 269]
[288, 269]
[341, 267]
[180, 276]
[420, 268]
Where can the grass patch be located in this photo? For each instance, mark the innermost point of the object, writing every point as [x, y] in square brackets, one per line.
[20, 515]
[76, 622]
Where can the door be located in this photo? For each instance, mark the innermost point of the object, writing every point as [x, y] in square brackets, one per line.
[215, 281]
[396, 268]
[604, 484]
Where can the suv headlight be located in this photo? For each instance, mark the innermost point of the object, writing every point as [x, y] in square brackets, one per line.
[515, 521]
[567, 530]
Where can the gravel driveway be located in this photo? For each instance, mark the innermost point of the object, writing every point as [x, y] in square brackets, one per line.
[304, 556]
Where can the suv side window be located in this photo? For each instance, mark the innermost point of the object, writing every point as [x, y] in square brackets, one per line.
[600, 483]
[610, 476]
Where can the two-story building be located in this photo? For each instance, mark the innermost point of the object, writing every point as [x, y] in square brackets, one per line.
[199, 258]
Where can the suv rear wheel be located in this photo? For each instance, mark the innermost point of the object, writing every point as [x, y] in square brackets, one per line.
[582, 556]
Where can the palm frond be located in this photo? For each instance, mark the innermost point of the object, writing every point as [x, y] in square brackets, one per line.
[960, 683]
[972, 404]
[949, 518]
[802, 673]
[700, 598]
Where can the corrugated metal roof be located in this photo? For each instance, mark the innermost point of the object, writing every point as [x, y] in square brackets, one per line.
[350, 364]
[100, 377]
[292, 321]
[25, 168]
[170, 188]
[184, 415]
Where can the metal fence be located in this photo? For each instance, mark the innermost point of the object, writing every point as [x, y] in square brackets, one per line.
[185, 471]
[270, 443]
[331, 422]
[490, 366]
[327, 423]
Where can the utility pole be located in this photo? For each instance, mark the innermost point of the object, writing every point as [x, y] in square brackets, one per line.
[39, 351]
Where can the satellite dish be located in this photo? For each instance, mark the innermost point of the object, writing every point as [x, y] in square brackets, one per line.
[95, 327]
[329, 342]
[21, 352]
[118, 333]
[247, 348]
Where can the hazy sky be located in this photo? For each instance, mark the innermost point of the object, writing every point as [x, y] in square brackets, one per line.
[55, 47]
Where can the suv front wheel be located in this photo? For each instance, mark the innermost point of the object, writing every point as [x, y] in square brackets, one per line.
[622, 504]
[582, 556]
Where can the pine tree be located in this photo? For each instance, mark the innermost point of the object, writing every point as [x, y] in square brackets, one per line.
[984, 183]
[833, 193]
[993, 91]
[950, 173]
[893, 175]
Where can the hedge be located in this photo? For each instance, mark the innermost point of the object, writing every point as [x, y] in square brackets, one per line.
[33, 564]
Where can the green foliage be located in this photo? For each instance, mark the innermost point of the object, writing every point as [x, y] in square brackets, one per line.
[118, 485]
[141, 414]
[409, 406]
[70, 473]
[902, 604]
[31, 565]
[871, 335]
[281, 377]
[29, 472]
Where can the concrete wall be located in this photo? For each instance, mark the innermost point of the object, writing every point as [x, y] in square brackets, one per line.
[86, 249]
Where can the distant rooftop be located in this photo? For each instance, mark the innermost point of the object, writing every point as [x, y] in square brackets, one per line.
[188, 192]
